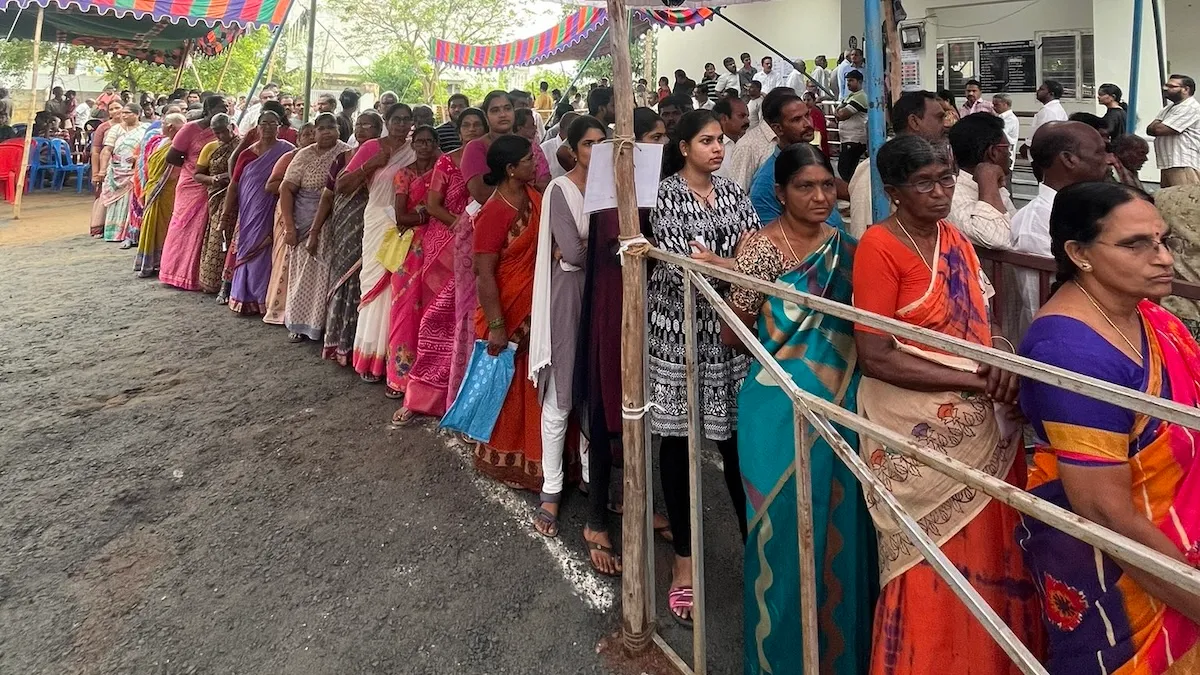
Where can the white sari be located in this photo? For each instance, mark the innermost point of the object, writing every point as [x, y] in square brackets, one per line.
[374, 313]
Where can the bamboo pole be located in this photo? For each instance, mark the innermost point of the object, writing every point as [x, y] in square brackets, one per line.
[225, 68]
[637, 626]
[196, 74]
[695, 485]
[891, 30]
[648, 57]
[187, 51]
[308, 59]
[33, 110]
[54, 69]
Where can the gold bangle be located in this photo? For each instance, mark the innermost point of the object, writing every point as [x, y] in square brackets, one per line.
[496, 323]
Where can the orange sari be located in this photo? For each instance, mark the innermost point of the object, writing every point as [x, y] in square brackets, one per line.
[514, 453]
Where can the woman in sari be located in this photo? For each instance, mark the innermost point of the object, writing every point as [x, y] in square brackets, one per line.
[299, 198]
[252, 208]
[277, 287]
[424, 271]
[389, 155]
[558, 283]
[185, 234]
[499, 110]
[150, 142]
[1135, 474]
[158, 198]
[801, 252]
[347, 196]
[598, 374]
[916, 267]
[100, 165]
[212, 171]
[121, 143]
[429, 391]
[506, 233]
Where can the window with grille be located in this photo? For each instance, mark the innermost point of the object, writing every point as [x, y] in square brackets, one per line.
[1069, 58]
[956, 63]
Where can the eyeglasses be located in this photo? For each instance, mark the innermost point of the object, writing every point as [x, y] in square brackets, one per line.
[926, 186]
[1148, 247]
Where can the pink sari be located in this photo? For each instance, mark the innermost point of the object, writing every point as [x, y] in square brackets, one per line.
[474, 163]
[422, 368]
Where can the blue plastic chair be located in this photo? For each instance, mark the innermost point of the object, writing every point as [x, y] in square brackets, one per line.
[60, 153]
[36, 167]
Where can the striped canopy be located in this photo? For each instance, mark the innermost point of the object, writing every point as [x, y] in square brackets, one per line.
[572, 39]
[231, 13]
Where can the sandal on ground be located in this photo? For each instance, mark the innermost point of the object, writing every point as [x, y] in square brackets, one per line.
[404, 417]
[126, 246]
[545, 523]
[295, 337]
[145, 275]
[596, 547]
[681, 599]
[369, 378]
[393, 394]
[222, 299]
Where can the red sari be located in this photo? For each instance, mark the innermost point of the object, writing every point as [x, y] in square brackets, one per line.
[514, 453]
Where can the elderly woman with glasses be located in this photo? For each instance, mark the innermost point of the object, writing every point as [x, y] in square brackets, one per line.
[1134, 474]
[918, 268]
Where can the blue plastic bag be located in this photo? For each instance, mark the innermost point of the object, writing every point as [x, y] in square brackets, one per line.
[484, 388]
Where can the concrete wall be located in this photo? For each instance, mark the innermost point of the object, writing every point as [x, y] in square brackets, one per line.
[801, 29]
[1182, 27]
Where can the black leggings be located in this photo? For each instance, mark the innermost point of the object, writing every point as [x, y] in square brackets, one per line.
[848, 158]
[600, 461]
[673, 462]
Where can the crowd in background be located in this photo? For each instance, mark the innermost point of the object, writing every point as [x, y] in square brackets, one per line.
[404, 248]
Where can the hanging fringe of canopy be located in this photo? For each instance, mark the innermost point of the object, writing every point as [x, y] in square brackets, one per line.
[571, 39]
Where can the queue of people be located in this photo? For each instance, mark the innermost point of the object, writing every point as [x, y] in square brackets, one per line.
[496, 249]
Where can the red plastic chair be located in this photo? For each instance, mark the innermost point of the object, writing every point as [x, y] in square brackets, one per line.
[10, 165]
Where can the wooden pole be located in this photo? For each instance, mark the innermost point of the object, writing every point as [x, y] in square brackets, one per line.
[196, 74]
[187, 51]
[54, 69]
[891, 30]
[33, 110]
[224, 68]
[637, 625]
[308, 59]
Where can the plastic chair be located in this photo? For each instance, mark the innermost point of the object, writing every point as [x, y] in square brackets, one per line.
[10, 164]
[60, 153]
[36, 167]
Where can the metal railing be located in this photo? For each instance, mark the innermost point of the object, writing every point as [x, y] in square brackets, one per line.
[815, 414]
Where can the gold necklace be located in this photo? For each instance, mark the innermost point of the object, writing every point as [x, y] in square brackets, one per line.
[914, 243]
[1110, 321]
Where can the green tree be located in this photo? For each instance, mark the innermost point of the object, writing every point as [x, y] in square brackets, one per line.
[410, 26]
[397, 70]
[16, 57]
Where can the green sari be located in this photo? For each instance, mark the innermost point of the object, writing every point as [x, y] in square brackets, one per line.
[818, 352]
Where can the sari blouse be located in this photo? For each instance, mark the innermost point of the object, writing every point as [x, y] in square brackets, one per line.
[1098, 618]
[499, 231]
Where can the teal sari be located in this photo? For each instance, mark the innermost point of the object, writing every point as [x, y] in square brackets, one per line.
[818, 351]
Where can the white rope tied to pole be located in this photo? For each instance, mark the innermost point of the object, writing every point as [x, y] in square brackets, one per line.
[633, 246]
[638, 413]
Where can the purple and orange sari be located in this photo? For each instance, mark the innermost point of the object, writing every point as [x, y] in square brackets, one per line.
[1098, 618]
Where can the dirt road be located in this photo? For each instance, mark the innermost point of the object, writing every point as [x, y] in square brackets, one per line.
[186, 492]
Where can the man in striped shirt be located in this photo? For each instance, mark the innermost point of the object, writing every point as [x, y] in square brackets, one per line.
[448, 139]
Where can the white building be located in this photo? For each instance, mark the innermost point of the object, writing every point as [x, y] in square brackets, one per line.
[1080, 43]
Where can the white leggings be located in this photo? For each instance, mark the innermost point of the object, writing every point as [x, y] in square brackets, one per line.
[554, 436]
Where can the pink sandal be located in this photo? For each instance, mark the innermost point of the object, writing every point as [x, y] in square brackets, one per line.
[681, 598]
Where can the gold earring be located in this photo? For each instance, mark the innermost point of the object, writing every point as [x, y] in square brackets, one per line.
[1085, 267]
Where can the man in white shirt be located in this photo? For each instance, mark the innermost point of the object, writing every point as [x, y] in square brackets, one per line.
[1176, 132]
[551, 145]
[796, 80]
[1052, 111]
[734, 117]
[250, 117]
[821, 73]
[754, 101]
[702, 101]
[83, 112]
[981, 208]
[729, 79]
[769, 77]
[1002, 104]
[1062, 154]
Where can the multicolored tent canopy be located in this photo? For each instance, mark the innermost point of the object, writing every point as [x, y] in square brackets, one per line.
[571, 40]
[231, 13]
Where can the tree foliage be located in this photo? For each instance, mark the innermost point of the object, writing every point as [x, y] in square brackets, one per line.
[16, 58]
[410, 26]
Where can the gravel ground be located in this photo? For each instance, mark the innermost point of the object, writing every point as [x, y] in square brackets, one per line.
[186, 492]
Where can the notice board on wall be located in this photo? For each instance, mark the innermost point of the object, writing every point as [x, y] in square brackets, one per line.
[1008, 67]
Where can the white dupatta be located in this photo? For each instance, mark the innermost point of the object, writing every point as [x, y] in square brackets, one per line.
[539, 323]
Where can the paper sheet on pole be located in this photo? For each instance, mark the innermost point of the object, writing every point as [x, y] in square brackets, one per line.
[601, 192]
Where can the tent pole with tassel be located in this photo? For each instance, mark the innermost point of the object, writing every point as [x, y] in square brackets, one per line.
[187, 51]
[24, 170]
[225, 68]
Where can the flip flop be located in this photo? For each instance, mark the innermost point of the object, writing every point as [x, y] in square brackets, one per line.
[393, 394]
[681, 598]
[404, 417]
[370, 379]
[606, 550]
[548, 521]
[295, 338]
